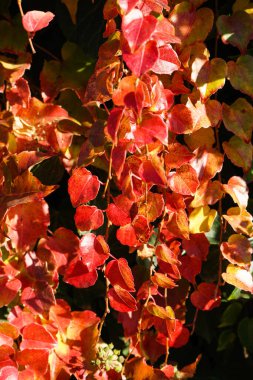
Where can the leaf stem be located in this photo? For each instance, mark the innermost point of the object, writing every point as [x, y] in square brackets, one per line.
[22, 15]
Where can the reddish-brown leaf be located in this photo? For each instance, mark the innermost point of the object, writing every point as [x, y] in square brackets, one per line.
[82, 186]
[204, 297]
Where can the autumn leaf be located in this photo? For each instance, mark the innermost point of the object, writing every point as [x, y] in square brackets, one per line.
[143, 59]
[240, 74]
[238, 277]
[137, 29]
[34, 21]
[237, 250]
[237, 118]
[239, 152]
[88, 218]
[205, 298]
[229, 27]
[121, 300]
[82, 186]
[119, 273]
[201, 219]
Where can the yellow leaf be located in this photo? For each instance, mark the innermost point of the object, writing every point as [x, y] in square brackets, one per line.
[201, 219]
[72, 8]
[238, 277]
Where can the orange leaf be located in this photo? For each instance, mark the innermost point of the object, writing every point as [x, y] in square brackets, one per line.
[237, 250]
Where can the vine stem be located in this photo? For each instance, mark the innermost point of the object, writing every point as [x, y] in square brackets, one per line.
[107, 282]
[22, 15]
[107, 309]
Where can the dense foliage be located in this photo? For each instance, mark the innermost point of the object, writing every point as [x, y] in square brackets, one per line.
[126, 163]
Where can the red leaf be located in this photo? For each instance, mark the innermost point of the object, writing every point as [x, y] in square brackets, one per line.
[119, 211]
[82, 186]
[136, 233]
[78, 275]
[151, 128]
[9, 373]
[38, 299]
[88, 218]
[167, 61]
[184, 181]
[121, 300]
[191, 267]
[35, 336]
[204, 297]
[36, 359]
[26, 223]
[93, 251]
[36, 20]
[119, 273]
[9, 289]
[152, 171]
[137, 29]
[143, 59]
[197, 246]
[113, 123]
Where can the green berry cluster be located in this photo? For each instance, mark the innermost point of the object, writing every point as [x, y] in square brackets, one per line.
[108, 358]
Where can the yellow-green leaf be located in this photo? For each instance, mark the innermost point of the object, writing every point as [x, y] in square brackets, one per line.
[211, 77]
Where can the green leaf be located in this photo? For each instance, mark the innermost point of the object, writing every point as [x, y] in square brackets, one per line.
[226, 339]
[236, 29]
[245, 333]
[49, 171]
[240, 74]
[72, 72]
[238, 118]
[213, 235]
[238, 152]
[231, 314]
[13, 36]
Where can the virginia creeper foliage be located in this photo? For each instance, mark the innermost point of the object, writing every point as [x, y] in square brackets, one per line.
[149, 166]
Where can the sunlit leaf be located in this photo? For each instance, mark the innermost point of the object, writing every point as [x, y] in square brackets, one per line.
[201, 219]
[237, 250]
[36, 20]
[238, 277]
